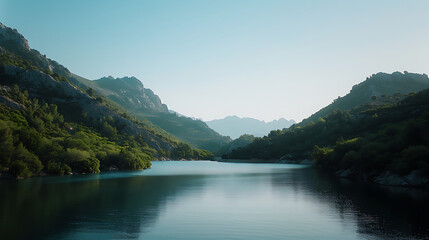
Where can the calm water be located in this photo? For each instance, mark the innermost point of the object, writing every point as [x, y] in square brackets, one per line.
[209, 200]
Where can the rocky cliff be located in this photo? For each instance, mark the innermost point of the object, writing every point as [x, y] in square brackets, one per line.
[12, 42]
[130, 93]
[12, 35]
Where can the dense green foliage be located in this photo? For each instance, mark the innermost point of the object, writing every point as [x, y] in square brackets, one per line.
[40, 137]
[242, 141]
[129, 93]
[37, 138]
[376, 87]
[372, 138]
[195, 132]
[397, 140]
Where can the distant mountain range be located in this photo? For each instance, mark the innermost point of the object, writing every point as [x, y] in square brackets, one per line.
[234, 126]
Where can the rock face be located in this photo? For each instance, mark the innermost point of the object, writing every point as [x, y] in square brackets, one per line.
[72, 102]
[413, 179]
[14, 42]
[9, 102]
[12, 35]
[130, 92]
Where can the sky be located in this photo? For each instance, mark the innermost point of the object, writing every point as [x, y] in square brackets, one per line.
[263, 59]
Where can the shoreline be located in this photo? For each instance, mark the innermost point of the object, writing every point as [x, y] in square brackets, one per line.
[257, 160]
[415, 179]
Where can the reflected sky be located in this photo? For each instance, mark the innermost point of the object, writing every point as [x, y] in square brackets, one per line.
[209, 200]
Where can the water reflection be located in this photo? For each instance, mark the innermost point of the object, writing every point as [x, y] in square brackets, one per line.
[34, 209]
[197, 200]
[381, 212]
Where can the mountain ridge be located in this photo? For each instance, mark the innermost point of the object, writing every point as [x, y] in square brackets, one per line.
[144, 104]
[378, 85]
[51, 124]
[235, 126]
[130, 92]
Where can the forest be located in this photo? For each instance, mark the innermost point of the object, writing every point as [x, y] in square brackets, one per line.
[36, 138]
[367, 140]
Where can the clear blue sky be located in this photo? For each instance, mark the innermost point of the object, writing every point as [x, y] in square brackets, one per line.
[264, 59]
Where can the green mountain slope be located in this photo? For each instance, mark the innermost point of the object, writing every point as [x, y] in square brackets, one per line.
[378, 85]
[129, 93]
[384, 143]
[49, 123]
[193, 131]
[241, 141]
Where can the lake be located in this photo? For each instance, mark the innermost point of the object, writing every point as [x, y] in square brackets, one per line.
[210, 200]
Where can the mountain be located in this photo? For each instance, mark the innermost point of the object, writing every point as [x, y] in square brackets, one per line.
[242, 141]
[378, 86]
[129, 93]
[234, 126]
[385, 141]
[193, 131]
[50, 124]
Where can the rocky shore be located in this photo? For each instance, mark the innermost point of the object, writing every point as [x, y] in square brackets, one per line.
[413, 179]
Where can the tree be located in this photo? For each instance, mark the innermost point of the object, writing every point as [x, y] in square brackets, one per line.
[374, 98]
[100, 100]
[107, 130]
[90, 92]
[25, 163]
[6, 146]
[129, 160]
[321, 155]
[58, 168]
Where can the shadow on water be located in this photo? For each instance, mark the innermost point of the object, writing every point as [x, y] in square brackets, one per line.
[43, 208]
[128, 205]
[382, 212]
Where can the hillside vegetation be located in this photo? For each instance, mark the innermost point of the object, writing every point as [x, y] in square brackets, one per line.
[49, 124]
[366, 141]
[129, 93]
[242, 141]
[377, 86]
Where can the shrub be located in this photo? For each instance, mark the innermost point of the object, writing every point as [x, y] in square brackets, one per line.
[58, 168]
[25, 163]
[132, 161]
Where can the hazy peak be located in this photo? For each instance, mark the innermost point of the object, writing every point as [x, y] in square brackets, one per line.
[235, 126]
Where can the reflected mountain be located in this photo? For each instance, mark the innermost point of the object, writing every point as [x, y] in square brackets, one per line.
[210, 200]
[381, 212]
[47, 209]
